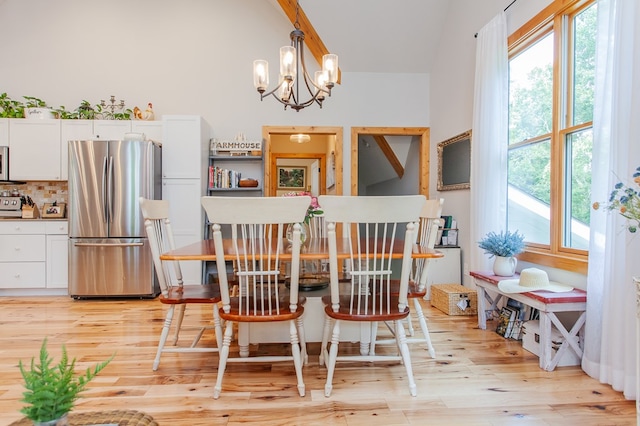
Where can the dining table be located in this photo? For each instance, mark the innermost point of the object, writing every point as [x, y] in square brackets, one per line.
[313, 249]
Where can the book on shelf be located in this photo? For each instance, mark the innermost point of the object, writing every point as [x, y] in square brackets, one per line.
[223, 178]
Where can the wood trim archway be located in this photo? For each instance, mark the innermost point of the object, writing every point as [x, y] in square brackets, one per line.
[422, 132]
[267, 131]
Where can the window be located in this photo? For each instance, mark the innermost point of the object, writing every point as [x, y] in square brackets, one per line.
[551, 92]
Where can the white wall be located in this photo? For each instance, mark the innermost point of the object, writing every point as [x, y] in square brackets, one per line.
[451, 100]
[186, 57]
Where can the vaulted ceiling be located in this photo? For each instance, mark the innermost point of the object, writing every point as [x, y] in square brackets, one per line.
[385, 36]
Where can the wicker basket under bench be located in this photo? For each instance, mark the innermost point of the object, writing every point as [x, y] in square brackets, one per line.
[449, 297]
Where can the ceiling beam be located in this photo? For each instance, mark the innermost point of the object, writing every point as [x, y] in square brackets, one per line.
[389, 154]
[311, 38]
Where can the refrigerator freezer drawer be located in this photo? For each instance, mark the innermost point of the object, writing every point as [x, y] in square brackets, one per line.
[111, 267]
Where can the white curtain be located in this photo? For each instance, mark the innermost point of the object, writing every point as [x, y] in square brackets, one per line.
[489, 138]
[610, 331]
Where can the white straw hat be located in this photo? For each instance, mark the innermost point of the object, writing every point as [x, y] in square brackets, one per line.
[532, 279]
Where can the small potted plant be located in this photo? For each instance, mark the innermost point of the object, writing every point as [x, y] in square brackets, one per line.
[37, 108]
[504, 246]
[53, 389]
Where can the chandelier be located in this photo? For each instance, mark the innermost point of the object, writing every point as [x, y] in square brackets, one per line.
[294, 74]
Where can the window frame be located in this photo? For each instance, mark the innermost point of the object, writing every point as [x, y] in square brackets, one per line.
[557, 17]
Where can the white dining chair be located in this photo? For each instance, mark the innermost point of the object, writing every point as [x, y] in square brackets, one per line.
[174, 293]
[372, 226]
[428, 226]
[252, 228]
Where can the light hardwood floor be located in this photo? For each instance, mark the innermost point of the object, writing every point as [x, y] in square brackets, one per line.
[478, 378]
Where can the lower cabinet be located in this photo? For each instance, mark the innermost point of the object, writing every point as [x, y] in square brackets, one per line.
[22, 254]
[33, 256]
[57, 254]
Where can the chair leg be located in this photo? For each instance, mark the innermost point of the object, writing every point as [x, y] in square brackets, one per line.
[217, 325]
[409, 320]
[325, 341]
[303, 341]
[163, 336]
[333, 355]
[374, 336]
[297, 356]
[423, 325]
[179, 318]
[224, 355]
[406, 356]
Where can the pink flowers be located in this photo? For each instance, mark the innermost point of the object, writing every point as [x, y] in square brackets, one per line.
[314, 208]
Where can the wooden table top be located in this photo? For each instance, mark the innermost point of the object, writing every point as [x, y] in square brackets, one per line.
[574, 296]
[314, 249]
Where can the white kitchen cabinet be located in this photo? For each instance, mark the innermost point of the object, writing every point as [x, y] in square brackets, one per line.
[57, 238]
[22, 255]
[4, 132]
[185, 213]
[33, 257]
[151, 129]
[111, 129]
[35, 149]
[185, 147]
[71, 130]
[444, 270]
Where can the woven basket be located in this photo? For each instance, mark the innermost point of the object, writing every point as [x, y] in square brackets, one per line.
[447, 296]
[119, 417]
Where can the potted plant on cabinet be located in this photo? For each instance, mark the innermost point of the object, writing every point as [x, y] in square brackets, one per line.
[53, 389]
[504, 246]
[37, 108]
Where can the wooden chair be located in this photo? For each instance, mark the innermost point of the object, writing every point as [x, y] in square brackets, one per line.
[255, 239]
[377, 229]
[426, 237]
[174, 292]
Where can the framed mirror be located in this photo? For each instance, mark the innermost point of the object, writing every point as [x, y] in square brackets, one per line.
[454, 162]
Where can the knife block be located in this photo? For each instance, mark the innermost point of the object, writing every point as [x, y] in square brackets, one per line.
[30, 212]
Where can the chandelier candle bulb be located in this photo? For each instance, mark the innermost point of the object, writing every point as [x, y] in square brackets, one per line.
[287, 62]
[260, 74]
[321, 81]
[330, 66]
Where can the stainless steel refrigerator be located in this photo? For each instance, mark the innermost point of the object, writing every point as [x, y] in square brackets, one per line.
[109, 254]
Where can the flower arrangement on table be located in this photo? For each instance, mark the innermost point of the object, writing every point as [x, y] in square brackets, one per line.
[626, 201]
[313, 209]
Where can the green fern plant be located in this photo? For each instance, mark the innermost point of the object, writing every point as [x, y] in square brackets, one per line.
[53, 389]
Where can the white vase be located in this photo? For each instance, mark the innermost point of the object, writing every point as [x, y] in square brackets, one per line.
[505, 266]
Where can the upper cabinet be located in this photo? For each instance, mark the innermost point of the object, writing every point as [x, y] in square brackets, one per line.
[151, 129]
[185, 146]
[34, 149]
[4, 132]
[39, 148]
[111, 129]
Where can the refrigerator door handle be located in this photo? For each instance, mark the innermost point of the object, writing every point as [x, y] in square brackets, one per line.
[110, 189]
[105, 210]
[108, 244]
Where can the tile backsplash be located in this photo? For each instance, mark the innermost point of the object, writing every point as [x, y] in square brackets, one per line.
[41, 191]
